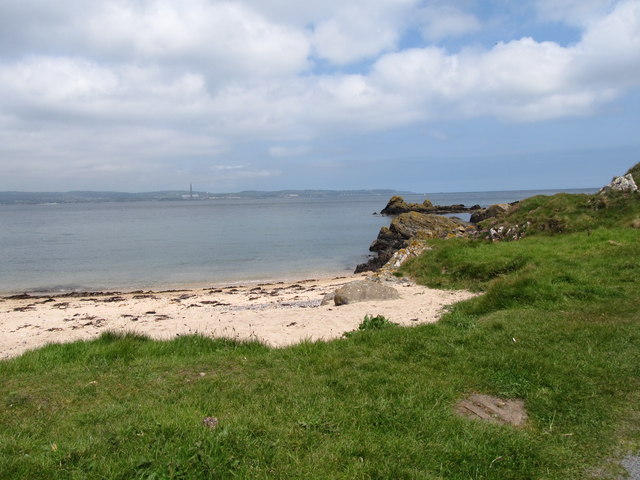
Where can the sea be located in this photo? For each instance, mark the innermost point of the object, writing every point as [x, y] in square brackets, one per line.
[55, 248]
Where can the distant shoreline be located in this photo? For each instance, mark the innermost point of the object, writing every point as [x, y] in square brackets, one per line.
[82, 197]
[44, 198]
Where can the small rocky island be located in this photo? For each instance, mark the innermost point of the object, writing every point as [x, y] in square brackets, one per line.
[397, 206]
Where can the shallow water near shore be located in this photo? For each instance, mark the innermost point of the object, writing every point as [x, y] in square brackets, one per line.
[128, 245]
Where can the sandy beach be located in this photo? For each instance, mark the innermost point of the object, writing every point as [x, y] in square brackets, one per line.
[278, 314]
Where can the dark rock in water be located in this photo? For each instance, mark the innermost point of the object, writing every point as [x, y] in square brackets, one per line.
[397, 206]
[362, 291]
[489, 212]
[374, 263]
[407, 227]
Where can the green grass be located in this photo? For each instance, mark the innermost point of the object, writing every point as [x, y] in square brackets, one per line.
[557, 326]
[566, 213]
[635, 172]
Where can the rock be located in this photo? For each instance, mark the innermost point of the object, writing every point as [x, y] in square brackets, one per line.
[362, 291]
[397, 206]
[489, 212]
[493, 409]
[400, 257]
[374, 263]
[407, 227]
[626, 183]
[210, 422]
[328, 298]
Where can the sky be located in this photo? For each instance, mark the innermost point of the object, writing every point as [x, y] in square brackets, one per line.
[420, 95]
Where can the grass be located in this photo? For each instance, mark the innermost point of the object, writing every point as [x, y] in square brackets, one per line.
[567, 213]
[635, 172]
[557, 326]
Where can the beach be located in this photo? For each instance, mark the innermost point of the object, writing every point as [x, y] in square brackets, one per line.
[278, 313]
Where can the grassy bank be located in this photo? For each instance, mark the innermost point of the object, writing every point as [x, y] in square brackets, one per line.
[557, 326]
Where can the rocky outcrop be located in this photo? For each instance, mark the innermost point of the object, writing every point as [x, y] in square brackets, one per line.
[489, 212]
[363, 291]
[399, 258]
[397, 206]
[626, 183]
[408, 227]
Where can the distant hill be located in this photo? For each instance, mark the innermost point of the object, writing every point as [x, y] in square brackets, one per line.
[34, 198]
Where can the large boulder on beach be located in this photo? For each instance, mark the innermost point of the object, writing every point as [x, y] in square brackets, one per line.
[363, 291]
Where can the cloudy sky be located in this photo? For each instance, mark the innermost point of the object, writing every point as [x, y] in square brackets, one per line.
[422, 95]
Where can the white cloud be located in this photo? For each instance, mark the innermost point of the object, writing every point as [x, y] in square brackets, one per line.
[522, 79]
[518, 79]
[52, 79]
[231, 38]
[355, 34]
[341, 31]
[574, 12]
[224, 39]
[609, 53]
[108, 85]
[442, 21]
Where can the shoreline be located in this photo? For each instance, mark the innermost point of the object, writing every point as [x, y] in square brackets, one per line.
[38, 292]
[277, 313]
[61, 291]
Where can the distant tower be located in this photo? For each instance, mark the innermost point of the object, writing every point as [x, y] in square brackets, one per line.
[191, 191]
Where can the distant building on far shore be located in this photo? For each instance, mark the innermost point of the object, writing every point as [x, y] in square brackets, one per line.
[191, 195]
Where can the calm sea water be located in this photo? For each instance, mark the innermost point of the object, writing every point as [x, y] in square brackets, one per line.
[63, 247]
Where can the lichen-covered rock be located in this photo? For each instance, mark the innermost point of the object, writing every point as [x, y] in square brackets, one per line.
[625, 183]
[400, 257]
[362, 291]
[397, 205]
[407, 227]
